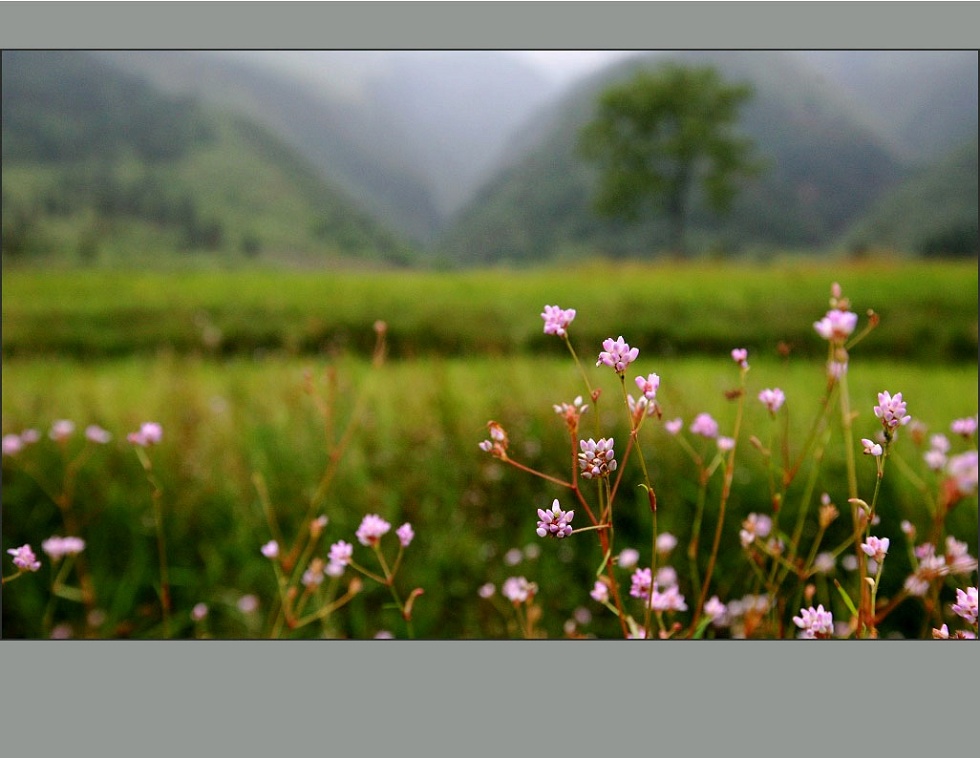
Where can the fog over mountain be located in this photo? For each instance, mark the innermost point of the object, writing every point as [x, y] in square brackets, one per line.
[433, 144]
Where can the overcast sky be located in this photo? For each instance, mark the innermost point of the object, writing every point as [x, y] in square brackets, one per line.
[564, 65]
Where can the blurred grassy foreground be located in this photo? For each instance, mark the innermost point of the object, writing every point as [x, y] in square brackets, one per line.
[414, 454]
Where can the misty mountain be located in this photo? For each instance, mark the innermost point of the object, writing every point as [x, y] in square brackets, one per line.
[932, 212]
[409, 135]
[97, 162]
[825, 167]
[924, 101]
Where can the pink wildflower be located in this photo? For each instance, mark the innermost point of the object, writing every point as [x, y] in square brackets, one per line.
[61, 430]
[405, 534]
[669, 600]
[517, 589]
[199, 612]
[617, 354]
[891, 410]
[600, 592]
[963, 469]
[815, 623]
[665, 543]
[837, 325]
[597, 459]
[628, 558]
[58, 547]
[97, 434]
[704, 425]
[726, 444]
[556, 320]
[875, 548]
[871, 448]
[371, 530]
[773, 399]
[341, 553]
[30, 436]
[149, 433]
[24, 558]
[741, 357]
[554, 522]
[648, 386]
[714, 609]
[965, 427]
[641, 583]
[12, 444]
[270, 550]
[674, 426]
[966, 605]
[756, 525]
[486, 591]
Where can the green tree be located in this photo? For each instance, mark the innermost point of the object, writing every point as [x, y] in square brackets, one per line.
[663, 135]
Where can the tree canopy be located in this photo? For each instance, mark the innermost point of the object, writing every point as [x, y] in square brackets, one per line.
[665, 137]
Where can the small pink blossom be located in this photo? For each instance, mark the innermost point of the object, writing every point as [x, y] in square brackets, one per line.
[836, 369]
[963, 469]
[248, 604]
[554, 522]
[556, 320]
[641, 583]
[30, 436]
[97, 434]
[617, 354]
[755, 525]
[871, 448]
[665, 543]
[648, 386]
[958, 557]
[714, 609]
[12, 444]
[58, 547]
[965, 427]
[600, 592]
[670, 599]
[705, 426]
[935, 459]
[149, 433]
[628, 558]
[62, 430]
[726, 444]
[773, 399]
[340, 553]
[891, 410]
[674, 426]
[597, 459]
[24, 558]
[486, 591]
[816, 623]
[837, 325]
[517, 589]
[741, 356]
[966, 605]
[199, 612]
[875, 548]
[270, 550]
[371, 530]
[313, 576]
[405, 534]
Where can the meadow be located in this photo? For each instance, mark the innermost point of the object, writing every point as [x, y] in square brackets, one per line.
[274, 413]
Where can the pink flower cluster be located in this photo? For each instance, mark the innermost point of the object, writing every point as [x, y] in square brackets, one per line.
[966, 605]
[617, 354]
[372, 529]
[816, 623]
[597, 459]
[556, 320]
[58, 547]
[554, 522]
[24, 558]
[149, 433]
[891, 410]
[875, 548]
[773, 399]
[836, 326]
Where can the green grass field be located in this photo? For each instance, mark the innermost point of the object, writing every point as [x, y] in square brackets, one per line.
[465, 350]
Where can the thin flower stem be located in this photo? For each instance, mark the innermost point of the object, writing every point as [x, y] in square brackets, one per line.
[725, 492]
